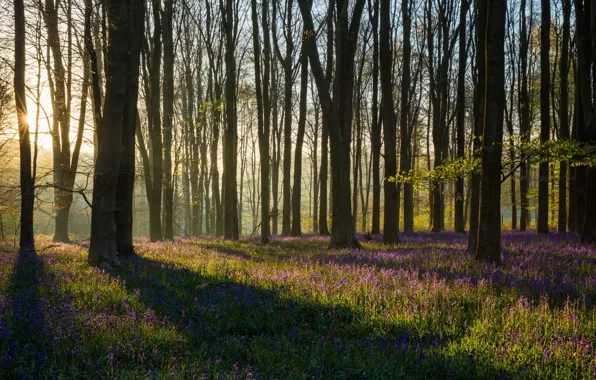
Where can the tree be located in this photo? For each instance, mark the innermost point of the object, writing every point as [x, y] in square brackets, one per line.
[390, 226]
[26, 241]
[337, 111]
[586, 129]
[524, 110]
[230, 192]
[287, 65]
[168, 114]
[126, 171]
[564, 117]
[263, 112]
[296, 193]
[375, 132]
[544, 116]
[460, 222]
[65, 162]
[103, 227]
[491, 87]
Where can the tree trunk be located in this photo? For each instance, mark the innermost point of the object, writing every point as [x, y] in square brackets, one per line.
[297, 193]
[126, 171]
[26, 241]
[544, 116]
[460, 222]
[405, 129]
[168, 114]
[524, 107]
[263, 113]
[230, 196]
[564, 115]
[155, 130]
[103, 226]
[390, 227]
[338, 113]
[375, 133]
[491, 18]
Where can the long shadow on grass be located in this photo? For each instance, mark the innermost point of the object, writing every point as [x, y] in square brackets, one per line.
[24, 344]
[561, 277]
[279, 336]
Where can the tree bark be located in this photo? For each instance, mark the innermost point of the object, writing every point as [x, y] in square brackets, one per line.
[126, 171]
[564, 114]
[230, 195]
[103, 226]
[460, 222]
[297, 193]
[544, 116]
[390, 227]
[338, 112]
[375, 133]
[491, 17]
[524, 108]
[26, 239]
[168, 114]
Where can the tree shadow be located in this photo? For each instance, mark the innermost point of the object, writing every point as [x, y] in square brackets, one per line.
[533, 266]
[280, 335]
[25, 341]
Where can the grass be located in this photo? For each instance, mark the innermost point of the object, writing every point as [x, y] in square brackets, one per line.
[293, 309]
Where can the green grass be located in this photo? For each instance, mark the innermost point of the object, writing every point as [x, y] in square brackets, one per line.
[293, 309]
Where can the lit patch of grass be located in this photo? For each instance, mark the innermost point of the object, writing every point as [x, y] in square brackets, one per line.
[293, 309]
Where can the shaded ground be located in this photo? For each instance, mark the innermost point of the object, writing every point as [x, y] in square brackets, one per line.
[293, 309]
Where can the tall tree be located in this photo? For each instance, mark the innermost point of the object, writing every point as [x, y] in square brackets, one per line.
[26, 241]
[288, 69]
[375, 132]
[65, 161]
[460, 222]
[110, 136]
[338, 111]
[263, 111]
[230, 195]
[168, 114]
[126, 171]
[564, 114]
[390, 226]
[544, 116]
[524, 110]
[405, 129]
[296, 193]
[491, 87]
[586, 128]
[323, 173]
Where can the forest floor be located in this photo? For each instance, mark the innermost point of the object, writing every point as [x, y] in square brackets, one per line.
[293, 309]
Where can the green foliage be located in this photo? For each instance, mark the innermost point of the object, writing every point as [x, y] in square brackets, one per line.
[574, 152]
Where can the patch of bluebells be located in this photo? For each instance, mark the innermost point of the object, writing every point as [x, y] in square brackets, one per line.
[293, 309]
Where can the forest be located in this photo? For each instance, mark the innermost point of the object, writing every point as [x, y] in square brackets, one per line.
[243, 189]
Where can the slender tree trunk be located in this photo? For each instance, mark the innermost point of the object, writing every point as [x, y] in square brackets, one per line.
[26, 240]
[155, 130]
[460, 222]
[230, 195]
[297, 193]
[491, 18]
[390, 227]
[525, 119]
[375, 134]
[405, 129]
[564, 114]
[126, 171]
[544, 116]
[168, 114]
